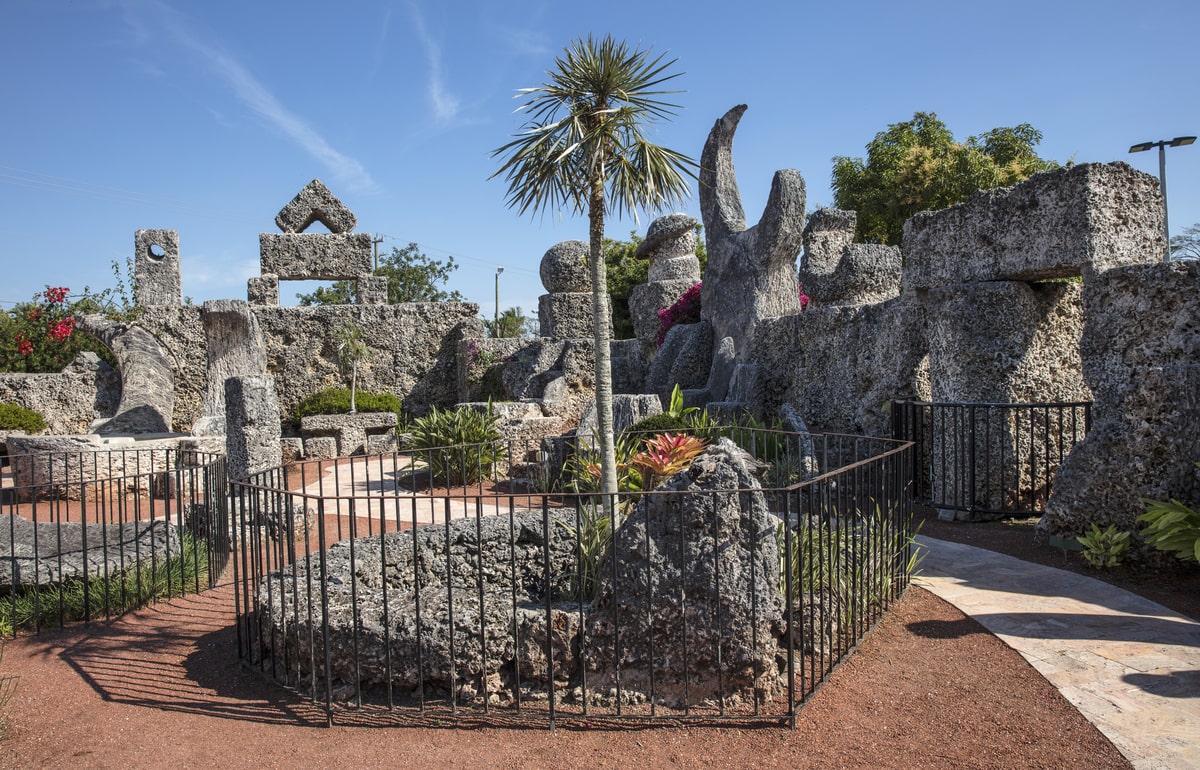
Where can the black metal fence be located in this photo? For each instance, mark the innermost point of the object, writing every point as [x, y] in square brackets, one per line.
[87, 535]
[375, 589]
[988, 460]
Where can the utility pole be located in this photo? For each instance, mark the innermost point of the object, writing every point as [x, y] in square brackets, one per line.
[496, 328]
[375, 242]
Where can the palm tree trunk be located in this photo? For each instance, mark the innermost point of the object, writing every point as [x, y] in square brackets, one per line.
[601, 324]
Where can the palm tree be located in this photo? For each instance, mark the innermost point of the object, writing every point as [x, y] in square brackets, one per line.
[352, 350]
[583, 146]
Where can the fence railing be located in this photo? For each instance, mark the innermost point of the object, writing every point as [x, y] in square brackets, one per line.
[91, 534]
[988, 460]
[372, 588]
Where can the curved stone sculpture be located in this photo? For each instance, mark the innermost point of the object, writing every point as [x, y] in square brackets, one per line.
[751, 272]
[147, 379]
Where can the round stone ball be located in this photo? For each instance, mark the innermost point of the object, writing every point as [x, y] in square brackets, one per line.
[564, 268]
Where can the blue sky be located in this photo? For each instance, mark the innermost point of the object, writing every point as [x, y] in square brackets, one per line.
[206, 118]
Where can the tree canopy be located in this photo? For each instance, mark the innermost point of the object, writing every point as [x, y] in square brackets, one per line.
[512, 323]
[1186, 245]
[412, 277]
[918, 166]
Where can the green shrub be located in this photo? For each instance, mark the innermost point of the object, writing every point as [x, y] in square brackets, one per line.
[1173, 527]
[659, 423]
[460, 446]
[13, 417]
[1104, 548]
[337, 401]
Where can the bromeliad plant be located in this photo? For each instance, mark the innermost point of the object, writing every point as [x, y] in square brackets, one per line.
[665, 455]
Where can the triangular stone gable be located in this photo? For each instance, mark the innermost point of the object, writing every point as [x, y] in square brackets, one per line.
[312, 204]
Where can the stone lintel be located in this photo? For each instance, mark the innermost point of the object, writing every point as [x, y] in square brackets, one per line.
[1093, 216]
[315, 257]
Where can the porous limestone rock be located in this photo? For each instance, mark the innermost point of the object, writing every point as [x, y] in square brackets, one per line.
[751, 271]
[1141, 357]
[156, 270]
[1057, 224]
[234, 346]
[315, 256]
[47, 553]
[691, 602]
[440, 569]
[252, 420]
[834, 271]
[840, 366]
[147, 381]
[315, 203]
[564, 268]
[627, 410]
[71, 401]
[684, 359]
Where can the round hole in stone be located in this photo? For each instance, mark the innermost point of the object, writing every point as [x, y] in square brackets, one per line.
[156, 251]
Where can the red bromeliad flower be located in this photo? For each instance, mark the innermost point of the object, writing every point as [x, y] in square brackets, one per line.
[668, 453]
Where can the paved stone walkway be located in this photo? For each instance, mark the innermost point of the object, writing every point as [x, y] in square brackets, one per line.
[1131, 666]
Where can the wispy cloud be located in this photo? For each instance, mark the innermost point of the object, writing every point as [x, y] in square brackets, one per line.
[253, 94]
[526, 42]
[445, 104]
[380, 49]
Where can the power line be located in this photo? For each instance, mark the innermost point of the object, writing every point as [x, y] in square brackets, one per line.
[36, 180]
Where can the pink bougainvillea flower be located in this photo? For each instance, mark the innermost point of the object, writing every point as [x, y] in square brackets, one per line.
[57, 294]
[61, 330]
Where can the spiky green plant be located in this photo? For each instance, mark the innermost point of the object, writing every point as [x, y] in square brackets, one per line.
[460, 446]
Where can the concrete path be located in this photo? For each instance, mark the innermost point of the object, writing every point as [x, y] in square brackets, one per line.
[368, 487]
[1131, 666]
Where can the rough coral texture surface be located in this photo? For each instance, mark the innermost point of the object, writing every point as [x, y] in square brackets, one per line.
[751, 271]
[315, 256]
[1141, 358]
[708, 566]
[1054, 225]
[315, 203]
[71, 400]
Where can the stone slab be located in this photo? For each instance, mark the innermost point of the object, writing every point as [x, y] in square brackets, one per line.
[315, 257]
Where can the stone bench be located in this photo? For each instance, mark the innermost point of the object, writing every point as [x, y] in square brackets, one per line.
[349, 430]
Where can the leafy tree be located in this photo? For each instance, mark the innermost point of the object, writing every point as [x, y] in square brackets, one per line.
[624, 272]
[584, 147]
[40, 335]
[1186, 245]
[511, 323]
[412, 277]
[917, 166]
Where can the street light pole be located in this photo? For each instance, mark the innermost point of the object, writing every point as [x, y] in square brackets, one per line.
[496, 328]
[1162, 146]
